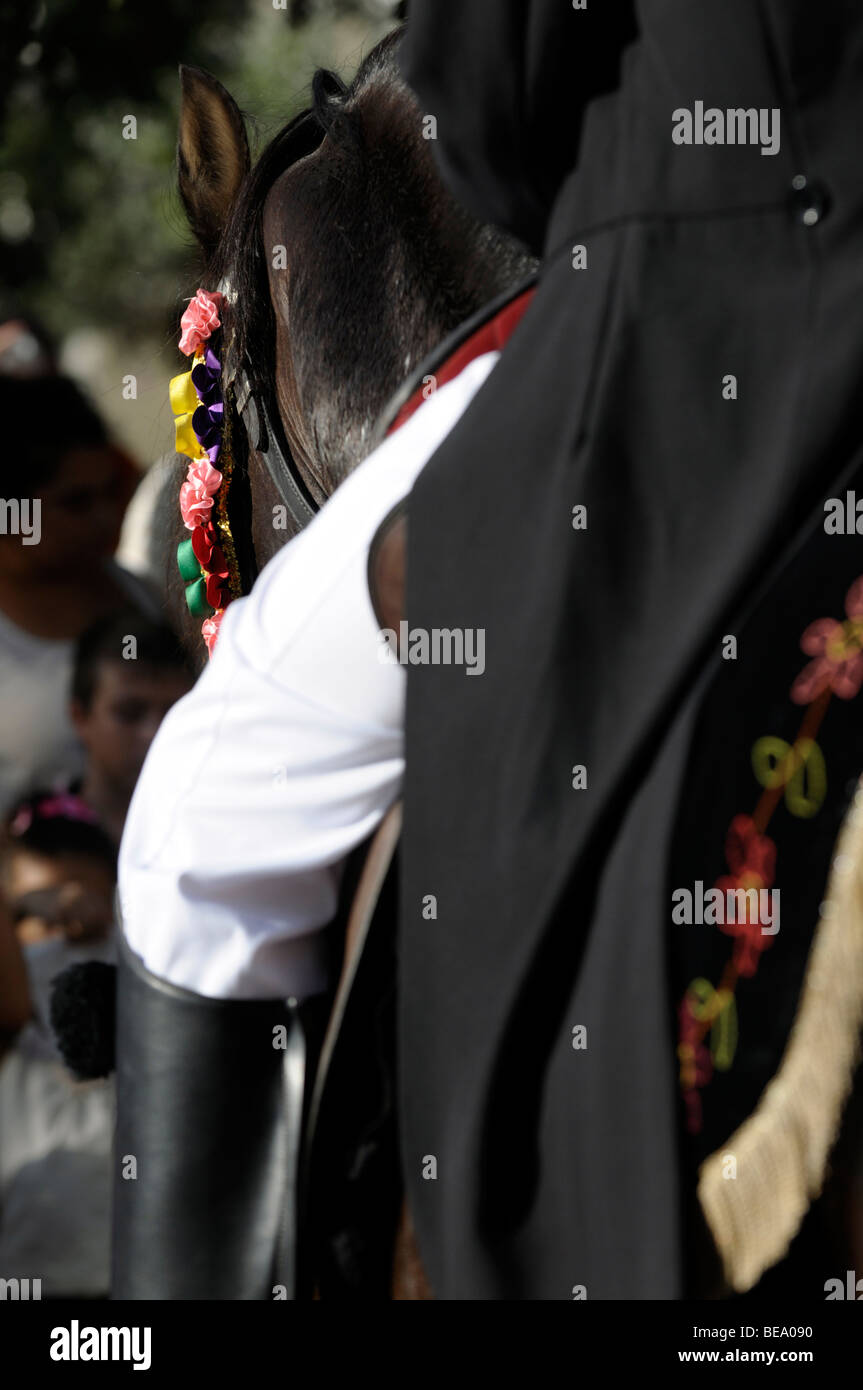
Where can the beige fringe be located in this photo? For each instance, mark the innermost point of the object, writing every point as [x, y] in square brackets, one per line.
[782, 1149]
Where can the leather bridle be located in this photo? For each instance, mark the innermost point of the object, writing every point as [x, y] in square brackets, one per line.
[256, 405]
[266, 437]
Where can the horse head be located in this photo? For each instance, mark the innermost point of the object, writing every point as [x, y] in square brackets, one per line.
[344, 261]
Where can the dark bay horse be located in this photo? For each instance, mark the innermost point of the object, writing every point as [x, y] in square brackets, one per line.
[344, 261]
[347, 270]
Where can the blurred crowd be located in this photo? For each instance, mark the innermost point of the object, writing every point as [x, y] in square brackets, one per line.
[89, 666]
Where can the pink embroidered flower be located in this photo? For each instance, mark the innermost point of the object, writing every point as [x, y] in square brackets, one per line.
[696, 1064]
[199, 320]
[838, 651]
[210, 630]
[197, 492]
[751, 858]
[750, 936]
[750, 854]
[695, 1059]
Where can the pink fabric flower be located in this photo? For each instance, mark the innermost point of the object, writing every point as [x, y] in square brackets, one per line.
[838, 652]
[203, 475]
[199, 320]
[196, 494]
[210, 630]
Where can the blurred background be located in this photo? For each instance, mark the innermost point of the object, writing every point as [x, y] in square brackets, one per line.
[93, 242]
[96, 266]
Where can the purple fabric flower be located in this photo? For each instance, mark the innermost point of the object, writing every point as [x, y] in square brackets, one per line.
[208, 419]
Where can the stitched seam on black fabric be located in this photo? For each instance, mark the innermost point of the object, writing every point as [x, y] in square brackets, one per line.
[601, 357]
[784, 84]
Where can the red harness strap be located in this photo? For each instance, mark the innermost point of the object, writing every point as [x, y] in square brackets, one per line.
[492, 336]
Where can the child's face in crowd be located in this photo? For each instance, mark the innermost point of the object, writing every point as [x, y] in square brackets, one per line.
[130, 700]
[68, 895]
[81, 515]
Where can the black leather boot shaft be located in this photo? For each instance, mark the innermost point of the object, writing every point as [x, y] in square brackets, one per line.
[210, 1109]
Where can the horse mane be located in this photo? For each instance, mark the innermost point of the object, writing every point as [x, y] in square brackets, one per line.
[382, 263]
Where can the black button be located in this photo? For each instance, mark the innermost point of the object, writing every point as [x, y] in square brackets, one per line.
[810, 200]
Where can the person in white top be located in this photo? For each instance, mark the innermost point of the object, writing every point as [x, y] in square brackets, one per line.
[285, 755]
[57, 869]
[63, 495]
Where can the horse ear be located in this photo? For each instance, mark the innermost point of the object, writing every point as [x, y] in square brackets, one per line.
[212, 154]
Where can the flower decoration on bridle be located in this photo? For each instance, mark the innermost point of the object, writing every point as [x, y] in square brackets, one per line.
[206, 559]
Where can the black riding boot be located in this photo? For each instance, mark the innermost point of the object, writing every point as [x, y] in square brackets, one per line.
[211, 1097]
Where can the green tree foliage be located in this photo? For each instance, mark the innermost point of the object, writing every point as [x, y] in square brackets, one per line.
[91, 231]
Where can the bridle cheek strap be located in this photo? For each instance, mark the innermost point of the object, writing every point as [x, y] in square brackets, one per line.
[266, 439]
